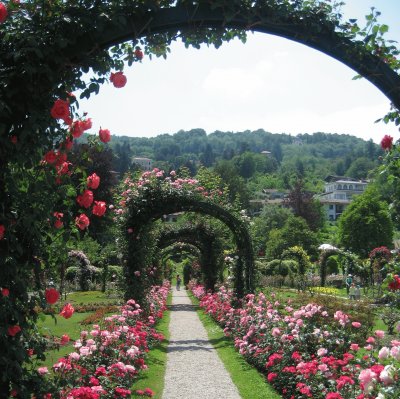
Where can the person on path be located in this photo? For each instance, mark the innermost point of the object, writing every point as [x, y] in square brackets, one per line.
[358, 292]
[178, 282]
[352, 291]
[349, 281]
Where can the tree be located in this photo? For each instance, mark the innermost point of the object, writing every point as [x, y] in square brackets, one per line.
[365, 224]
[295, 232]
[305, 206]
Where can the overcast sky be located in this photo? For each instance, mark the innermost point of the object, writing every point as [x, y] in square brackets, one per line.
[268, 83]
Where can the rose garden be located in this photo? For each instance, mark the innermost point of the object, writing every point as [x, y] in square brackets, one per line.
[87, 258]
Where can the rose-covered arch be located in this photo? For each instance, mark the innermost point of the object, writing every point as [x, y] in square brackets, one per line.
[205, 240]
[316, 26]
[155, 195]
[44, 56]
[323, 259]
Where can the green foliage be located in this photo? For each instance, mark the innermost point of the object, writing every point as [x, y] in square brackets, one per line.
[295, 232]
[365, 224]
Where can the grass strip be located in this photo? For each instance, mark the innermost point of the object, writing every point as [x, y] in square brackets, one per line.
[249, 381]
[156, 360]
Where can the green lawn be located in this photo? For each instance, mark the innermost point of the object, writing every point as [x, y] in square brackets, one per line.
[87, 297]
[250, 383]
[61, 326]
[153, 377]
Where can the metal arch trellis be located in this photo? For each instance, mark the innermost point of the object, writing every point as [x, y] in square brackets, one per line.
[270, 18]
[205, 240]
[158, 198]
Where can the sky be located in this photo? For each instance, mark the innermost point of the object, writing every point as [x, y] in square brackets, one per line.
[267, 83]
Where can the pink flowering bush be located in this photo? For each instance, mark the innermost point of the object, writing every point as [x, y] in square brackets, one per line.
[107, 359]
[306, 352]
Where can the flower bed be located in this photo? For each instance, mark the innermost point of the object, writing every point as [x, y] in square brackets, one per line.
[107, 359]
[307, 352]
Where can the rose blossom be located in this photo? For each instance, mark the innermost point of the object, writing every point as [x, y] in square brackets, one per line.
[85, 199]
[5, 292]
[52, 296]
[43, 370]
[118, 79]
[13, 330]
[67, 311]
[383, 353]
[356, 324]
[2, 231]
[99, 208]
[387, 142]
[380, 334]
[3, 13]
[93, 181]
[82, 221]
[105, 135]
[60, 110]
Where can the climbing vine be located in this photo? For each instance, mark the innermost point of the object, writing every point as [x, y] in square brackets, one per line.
[47, 49]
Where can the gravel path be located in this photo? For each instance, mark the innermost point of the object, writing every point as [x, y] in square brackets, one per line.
[194, 370]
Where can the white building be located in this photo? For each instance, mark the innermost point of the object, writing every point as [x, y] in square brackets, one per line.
[339, 192]
[144, 163]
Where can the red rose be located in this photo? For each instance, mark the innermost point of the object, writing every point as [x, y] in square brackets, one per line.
[3, 13]
[50, 157]
[5, 292]
[2, 231]
[77, 129]
[82, 221]
[118, 79]
[68, 143]
[87, 124]
[138, 53]
[64, 339]
[99, 208]
[58, 222]
[93, 181]
[14, 139]
[85, 199]
[52, 296]
[105, 135]
[67, 311]
[63, 169]
[61, 158]
[60, 110]
[387, 142]
[13, 330]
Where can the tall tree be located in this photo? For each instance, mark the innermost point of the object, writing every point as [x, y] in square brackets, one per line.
[365, 224]
[304, 205]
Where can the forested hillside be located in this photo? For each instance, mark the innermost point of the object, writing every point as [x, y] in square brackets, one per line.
[312, 156]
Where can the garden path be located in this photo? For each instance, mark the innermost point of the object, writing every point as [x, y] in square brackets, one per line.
[194, 370]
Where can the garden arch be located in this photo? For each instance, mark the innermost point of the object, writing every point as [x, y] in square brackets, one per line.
[309, 27]
[323, 259]
[203, 238]
[181, 248]
[143, 212]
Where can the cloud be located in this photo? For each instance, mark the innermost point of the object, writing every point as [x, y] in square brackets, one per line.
[237, 82]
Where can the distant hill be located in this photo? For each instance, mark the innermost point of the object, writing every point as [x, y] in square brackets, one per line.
[323, 152]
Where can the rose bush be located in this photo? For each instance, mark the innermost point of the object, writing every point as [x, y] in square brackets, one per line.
[107, 360]
[306, 352]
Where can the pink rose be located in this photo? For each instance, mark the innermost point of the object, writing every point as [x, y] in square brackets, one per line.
[380, 334]
[13, 330]
[85, 199]
[43, 370]
[356, 324]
